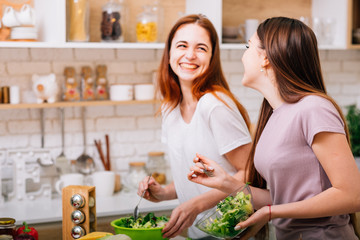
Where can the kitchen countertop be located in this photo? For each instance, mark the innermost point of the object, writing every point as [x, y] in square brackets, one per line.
[121, 203]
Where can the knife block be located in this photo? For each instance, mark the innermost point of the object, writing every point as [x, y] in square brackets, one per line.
[88, 208]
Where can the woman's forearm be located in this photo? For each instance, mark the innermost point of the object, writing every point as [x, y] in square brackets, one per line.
[331, 202]
[170, 192]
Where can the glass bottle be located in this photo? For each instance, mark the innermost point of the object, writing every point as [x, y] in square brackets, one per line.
[79, 19]
[112, 22]
[137, 173]
[7, 228]
[156, 165]
[147, 25]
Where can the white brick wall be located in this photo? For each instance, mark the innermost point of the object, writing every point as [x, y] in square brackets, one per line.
[133, 129]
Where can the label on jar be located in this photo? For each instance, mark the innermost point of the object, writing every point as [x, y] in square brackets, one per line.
[6, 237]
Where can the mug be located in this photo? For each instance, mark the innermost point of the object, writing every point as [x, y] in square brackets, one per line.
[26, 15]
[14, 94]
[251, 26]
[121, 92]
[144, 92]
[9, 18]
[104, 182]
[69, 179]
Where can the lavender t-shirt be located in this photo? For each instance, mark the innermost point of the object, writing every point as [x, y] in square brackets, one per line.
[285, 159]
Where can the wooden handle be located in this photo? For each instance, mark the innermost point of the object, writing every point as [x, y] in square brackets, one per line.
[108, 152]
[102, 158]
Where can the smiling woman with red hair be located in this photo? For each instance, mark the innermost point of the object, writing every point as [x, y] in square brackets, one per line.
[200, 114]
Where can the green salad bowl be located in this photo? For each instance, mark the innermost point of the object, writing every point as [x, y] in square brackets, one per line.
[138, 233]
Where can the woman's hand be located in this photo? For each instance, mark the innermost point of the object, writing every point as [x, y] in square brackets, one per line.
[182, 217]
[220, 179]
[154, 191]
[254, 223]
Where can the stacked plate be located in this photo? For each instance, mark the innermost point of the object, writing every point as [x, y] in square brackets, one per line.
[23, 33]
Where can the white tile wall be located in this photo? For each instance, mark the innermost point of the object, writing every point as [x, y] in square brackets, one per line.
[133, 129]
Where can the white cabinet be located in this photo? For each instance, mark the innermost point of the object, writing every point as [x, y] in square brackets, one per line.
[51, 20]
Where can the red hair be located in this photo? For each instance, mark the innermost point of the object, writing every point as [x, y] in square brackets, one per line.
[210, 81]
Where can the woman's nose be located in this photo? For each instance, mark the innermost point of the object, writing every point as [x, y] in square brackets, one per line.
[190, 53]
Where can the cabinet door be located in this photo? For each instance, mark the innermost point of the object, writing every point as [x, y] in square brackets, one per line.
[336, 10]
[51, 20]
[211, 8]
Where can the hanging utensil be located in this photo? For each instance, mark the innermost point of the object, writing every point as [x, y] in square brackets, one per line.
[61, 162]
[47, 157]
[84, 163]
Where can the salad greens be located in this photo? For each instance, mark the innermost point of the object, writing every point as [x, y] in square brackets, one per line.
[230, 211]
[149, 221]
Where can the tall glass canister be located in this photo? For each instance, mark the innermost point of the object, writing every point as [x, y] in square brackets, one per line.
[78, 19]
[112, 23]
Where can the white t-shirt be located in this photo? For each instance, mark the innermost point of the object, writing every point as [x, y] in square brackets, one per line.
[215, 129]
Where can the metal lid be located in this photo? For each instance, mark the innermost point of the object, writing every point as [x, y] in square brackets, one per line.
[7, 221]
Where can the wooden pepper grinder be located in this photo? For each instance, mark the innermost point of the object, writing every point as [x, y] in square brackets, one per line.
[101, 83]
[87, 84]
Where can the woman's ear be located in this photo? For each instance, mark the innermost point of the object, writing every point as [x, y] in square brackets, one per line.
[266, 62]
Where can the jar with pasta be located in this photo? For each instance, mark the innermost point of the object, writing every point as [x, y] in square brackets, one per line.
[78, 20]
[147, 26]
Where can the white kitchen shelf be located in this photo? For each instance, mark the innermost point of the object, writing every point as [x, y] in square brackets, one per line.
[51, 19]
[74, 104]
[99, 45]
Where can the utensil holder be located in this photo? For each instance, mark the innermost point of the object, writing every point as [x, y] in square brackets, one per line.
[79, 211]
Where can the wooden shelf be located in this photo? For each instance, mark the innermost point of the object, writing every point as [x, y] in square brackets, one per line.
[73, 104]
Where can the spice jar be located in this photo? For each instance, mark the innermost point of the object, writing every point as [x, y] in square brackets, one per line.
[112, 22]
[156, 165]
[79, 18]
[147, 26]
[137, 173]
[7, 228]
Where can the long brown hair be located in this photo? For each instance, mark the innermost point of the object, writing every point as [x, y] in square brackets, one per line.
[291, 49]
[210, 81]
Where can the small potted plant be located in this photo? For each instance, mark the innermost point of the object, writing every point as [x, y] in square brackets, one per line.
[353, 121]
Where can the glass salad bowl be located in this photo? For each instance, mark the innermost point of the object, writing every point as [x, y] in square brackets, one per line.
[220, 221]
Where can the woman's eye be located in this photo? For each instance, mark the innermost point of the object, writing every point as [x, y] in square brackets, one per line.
[181, 46]
[247, 46]
[202, 49]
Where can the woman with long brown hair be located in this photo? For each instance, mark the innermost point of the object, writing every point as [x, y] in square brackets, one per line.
[200, 114]
[301, 150]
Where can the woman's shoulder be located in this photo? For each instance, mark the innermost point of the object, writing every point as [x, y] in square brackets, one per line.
[211, 101]
[216, 98]
[315, 102]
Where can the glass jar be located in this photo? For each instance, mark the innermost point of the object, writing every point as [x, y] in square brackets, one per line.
[7, 228]
[137, 173]
[147, 25]
[112, 22]
[156, 165]
[78, 18]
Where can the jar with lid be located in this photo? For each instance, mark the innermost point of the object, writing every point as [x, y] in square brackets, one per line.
[79, 20]
[113, 17]
[137, 173]
[156, 165]
[147, 25]
[7, 228]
